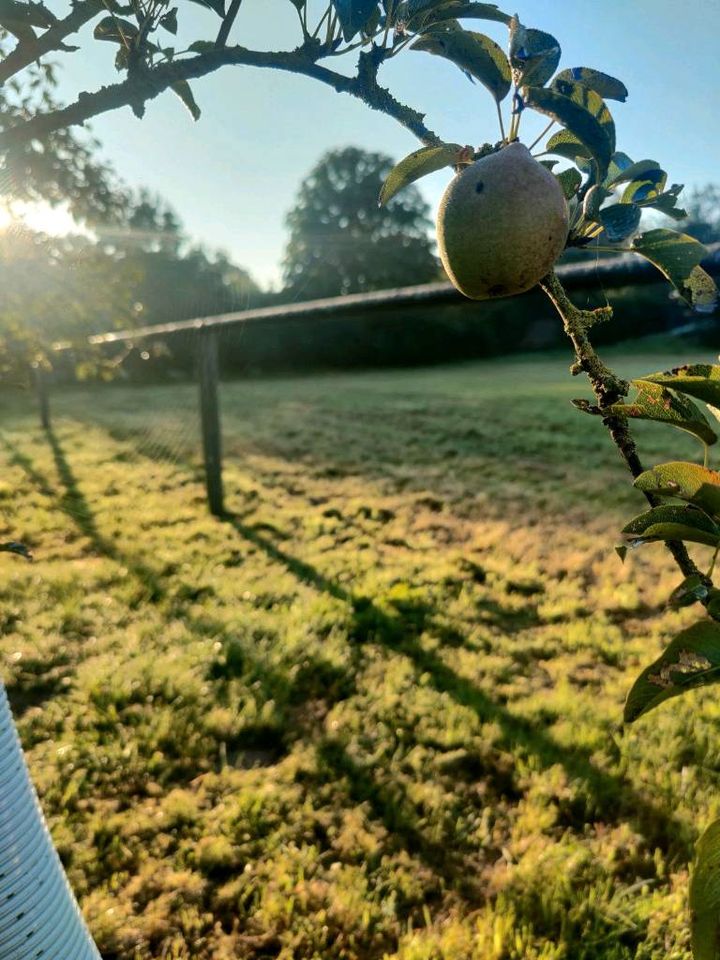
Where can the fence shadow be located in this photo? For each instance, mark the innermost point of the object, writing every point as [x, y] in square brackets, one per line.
[400, 632]
[73, 503]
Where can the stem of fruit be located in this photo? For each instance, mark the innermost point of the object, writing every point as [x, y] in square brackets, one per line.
[500, 118]
[547, 130]
[609, 389]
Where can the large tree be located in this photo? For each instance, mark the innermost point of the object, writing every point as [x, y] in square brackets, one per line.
[342, 241]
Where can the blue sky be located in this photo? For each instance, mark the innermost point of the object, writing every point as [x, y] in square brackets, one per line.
[234, 174]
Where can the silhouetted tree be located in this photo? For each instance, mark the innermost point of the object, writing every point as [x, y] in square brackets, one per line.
[342, 242]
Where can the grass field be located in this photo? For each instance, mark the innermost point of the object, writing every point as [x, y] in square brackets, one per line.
[375, 712]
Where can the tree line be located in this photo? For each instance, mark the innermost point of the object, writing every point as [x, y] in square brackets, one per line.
[136, 267]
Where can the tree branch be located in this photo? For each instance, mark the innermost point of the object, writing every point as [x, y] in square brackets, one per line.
[228, 21]
[26, 51]
[153, 81]
[608, 389]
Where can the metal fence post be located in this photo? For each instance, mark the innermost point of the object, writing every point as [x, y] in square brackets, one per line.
[210, 418]
[41, 389]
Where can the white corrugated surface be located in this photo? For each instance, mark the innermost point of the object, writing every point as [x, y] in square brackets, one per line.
[39, 917]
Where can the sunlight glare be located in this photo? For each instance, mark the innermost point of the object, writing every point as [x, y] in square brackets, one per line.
[40, 218]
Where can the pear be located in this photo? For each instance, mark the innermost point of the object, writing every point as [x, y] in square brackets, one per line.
[502, 224]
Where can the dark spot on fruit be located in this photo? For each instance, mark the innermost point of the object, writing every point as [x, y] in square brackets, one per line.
[497, 291]
[550, 238]
[479, 186]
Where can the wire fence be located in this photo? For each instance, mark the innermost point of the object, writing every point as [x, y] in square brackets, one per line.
[201, 336]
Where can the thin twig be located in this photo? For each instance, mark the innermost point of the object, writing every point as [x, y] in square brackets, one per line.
[53, 39]
[322, 20]
[547, 130]
[500, 118]
[609, 390]
[228, 20]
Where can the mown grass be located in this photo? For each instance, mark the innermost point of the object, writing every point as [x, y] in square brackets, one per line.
[373, 713]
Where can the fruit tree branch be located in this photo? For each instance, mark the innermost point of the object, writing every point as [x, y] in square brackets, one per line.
[29, 50]
[149, 83]
[608, 389]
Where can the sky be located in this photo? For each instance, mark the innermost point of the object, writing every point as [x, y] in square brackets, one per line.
[234, 174]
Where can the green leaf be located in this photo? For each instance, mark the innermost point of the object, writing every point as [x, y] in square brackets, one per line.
[678, 256]
[122, 58]
[619, 221]
[353, 15]
[202, 46]
[475, 54]
[635, 171]
[691, 660]
[699, 380]
[673, 522]
[665, 201]
[618, 163]
[693, 589]
[606, 86]
[594, 199]
[469, 11]
[217, 6]
[534, 55]
[580, 121]
[570, 181]
[370, 27]
[595, 105]
[418, 164]
[412, 7]
[182, 89]
[567, 145]
[705, 895]
[655, 402]
[645, 188]
[18, 548]
[116, 30]
[169, 21]
[686, 481]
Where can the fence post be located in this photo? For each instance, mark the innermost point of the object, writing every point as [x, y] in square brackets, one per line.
[41, 389]
[210, 418]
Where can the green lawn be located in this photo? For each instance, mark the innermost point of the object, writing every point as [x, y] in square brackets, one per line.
[374, 713]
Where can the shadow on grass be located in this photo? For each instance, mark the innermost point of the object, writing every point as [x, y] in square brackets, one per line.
[74, 505]
[38, 682]
[612, 795]
[401, 633]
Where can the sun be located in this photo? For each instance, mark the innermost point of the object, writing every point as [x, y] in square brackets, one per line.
[38, 217]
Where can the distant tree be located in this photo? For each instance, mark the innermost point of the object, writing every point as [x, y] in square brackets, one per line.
[342, 241]
[171, 279]
[703, 207]
[140, 270]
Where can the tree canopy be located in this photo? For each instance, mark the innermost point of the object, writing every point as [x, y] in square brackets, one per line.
[342, 241]
[141, 270]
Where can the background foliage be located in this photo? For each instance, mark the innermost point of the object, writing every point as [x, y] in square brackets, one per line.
[342, 241]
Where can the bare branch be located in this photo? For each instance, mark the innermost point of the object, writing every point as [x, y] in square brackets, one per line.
[26, 51]
[153, 81]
